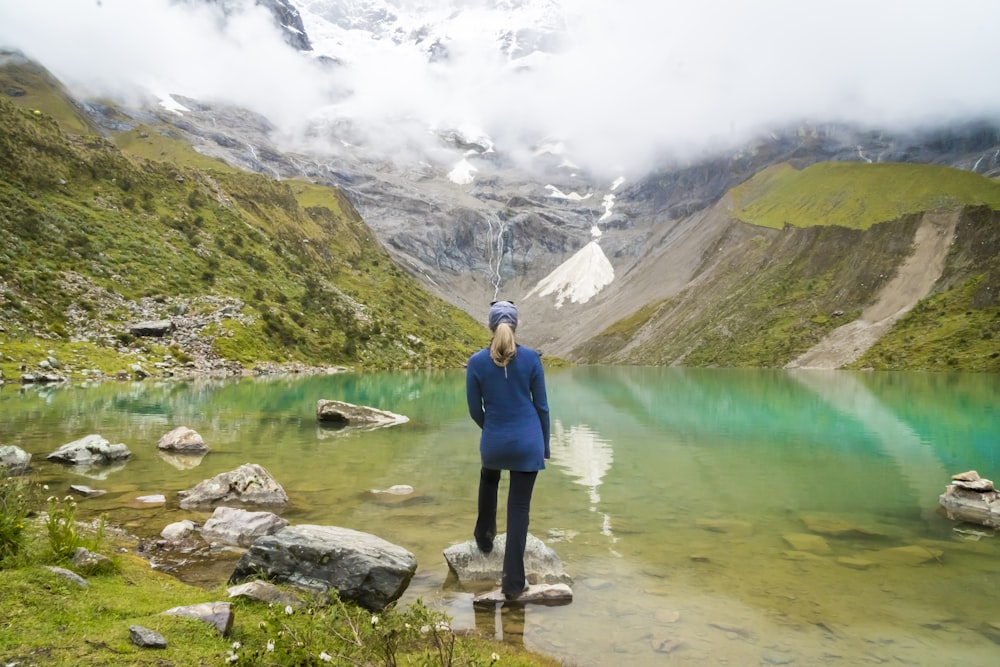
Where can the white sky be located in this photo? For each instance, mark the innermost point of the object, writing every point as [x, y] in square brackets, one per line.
[634, 79]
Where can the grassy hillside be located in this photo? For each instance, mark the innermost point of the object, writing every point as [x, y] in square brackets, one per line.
[958, 326]
[813, 248]
[94, 240]
[857, 195]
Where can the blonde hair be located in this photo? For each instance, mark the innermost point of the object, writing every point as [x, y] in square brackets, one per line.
[504, 347]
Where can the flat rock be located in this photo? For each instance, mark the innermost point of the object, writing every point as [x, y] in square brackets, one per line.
[856, 562]
[913, 554]
[544, 594]
[807, 542]
[837, 526]
[340, 413]
[217, 614]
[728, 526]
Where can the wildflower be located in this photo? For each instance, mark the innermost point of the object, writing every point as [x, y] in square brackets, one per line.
[424, 629]
[236, 646]
[494, 657]
[45, 487]
[374, 620]
[270, 645]
[232, 657]
[289, 610]
[325, 657]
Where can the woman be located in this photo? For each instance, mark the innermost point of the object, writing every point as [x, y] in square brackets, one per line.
[505, 388]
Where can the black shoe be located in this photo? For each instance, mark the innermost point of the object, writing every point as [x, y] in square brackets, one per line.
[485, 544]
[513, 596]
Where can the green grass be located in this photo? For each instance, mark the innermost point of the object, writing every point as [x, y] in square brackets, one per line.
[90, 233]
[943, 333]
[49, 620]
[153, 143]
[32, 88]
[857, 195]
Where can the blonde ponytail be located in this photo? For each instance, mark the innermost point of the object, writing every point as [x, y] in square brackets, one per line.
[503, 348]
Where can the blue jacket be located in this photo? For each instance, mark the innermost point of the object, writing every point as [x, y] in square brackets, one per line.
[511, 407]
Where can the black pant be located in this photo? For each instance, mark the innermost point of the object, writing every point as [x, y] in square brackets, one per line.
[518, 508]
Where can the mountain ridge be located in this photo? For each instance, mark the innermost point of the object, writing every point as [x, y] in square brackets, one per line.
[664, 234]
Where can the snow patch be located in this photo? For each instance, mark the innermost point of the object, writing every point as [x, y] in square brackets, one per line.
[170, 104]
[579, 278]
[556, 193]
[462, 173]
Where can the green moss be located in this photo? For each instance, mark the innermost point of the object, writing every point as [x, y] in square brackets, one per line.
[857, 195]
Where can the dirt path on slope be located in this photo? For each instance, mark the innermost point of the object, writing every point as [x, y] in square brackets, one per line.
[912, 282]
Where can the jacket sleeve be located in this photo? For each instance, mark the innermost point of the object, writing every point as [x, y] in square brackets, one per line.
[474, 396]
[541, 401]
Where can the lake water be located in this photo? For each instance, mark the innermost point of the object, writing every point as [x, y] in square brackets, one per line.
[707, 516]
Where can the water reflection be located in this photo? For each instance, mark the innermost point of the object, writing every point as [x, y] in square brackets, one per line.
[587, 458]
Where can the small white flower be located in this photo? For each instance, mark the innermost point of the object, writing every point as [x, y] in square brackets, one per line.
[424, 629]
[232, 657]
[289, 610]
[494, 657]
[325, 657]
[45, 487]
[374, 620]
[270, 645]
[236, 646]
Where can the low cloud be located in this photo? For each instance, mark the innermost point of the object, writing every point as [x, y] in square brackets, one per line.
[625, 82]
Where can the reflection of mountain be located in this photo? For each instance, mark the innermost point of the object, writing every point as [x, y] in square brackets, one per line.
[915, 459]
[587, 458]
[583, 454]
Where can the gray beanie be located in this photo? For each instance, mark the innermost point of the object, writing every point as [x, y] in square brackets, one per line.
[502, 311]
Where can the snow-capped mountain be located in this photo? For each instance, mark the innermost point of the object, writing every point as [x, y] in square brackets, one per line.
[538, 150]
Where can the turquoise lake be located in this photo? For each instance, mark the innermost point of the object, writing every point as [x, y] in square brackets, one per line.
[736, 517]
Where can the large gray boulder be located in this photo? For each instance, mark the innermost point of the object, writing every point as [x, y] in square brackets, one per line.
[91, 450]
[339, 413]
[541, 564]
[249, 484]
[359, 566]
[14, 460]
[237, 527]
